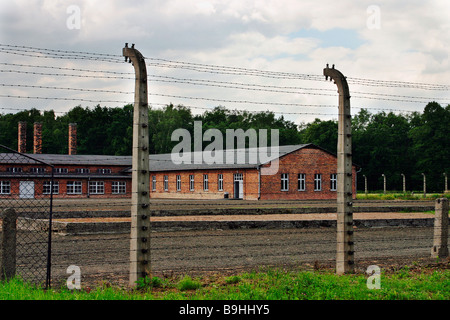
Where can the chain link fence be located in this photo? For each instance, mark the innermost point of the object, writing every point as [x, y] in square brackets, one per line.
[26, 192]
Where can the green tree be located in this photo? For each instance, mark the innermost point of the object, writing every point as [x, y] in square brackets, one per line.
[430, 139]
[384, 148]
[163, 122]
[321, 133]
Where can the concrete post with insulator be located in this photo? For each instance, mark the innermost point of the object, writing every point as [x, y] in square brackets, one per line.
[440, 238]
[345, 243]
[140, 200]
[9, 243]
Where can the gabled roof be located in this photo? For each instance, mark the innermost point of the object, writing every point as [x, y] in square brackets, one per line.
[231, 159]
[228, 159]
[65, 159]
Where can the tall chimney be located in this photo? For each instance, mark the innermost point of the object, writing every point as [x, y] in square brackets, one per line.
[37, 137]
[22, 137]
[72, 138]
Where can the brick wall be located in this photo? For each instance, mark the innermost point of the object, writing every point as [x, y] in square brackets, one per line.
[62, 179]
[37, 138]
[309, 161]
[72, 138]
[250, 177]
[62, 188]
[22, 137]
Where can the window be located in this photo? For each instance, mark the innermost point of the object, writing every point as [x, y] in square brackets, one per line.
[103, 171]
[15, 169]
[191, 182]
[166, 183]
[82, 170]
[333, 182]
[46, 187]
[74, 187]
[60, 170]
[37, 170]
[153, 183]
[301, 182]
[119, 187]
[317, 182]
[96, 187]
[5, 187]
[284, 181]
[178, 183]
[205, 182]
[220, 182]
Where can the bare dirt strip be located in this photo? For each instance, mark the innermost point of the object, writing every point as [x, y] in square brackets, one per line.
[283, 217]
[62, 205]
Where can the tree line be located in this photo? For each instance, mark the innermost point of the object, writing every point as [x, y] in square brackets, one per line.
[383, 143]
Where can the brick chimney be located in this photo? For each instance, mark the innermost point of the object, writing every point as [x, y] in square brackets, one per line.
[72, 138]
[22, 137]
[37, 137]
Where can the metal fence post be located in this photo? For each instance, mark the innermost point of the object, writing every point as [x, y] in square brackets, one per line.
[365, 184]
[440, 245]
[445, 183]
[9, 240]
[424, 185]
[404, 182]
[140, 199]
[345, 244]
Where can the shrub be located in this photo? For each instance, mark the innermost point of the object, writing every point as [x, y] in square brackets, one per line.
[154, 282]
[187, 283]
[232, 280]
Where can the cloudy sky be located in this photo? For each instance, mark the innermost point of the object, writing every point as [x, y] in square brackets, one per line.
[225, 47]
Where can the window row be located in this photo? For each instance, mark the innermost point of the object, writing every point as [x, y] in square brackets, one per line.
[191, 182]
[95, 187]
[57, 170]
[301, 182]
[73, 187]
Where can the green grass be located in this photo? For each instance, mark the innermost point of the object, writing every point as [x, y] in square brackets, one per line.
[187, 283]
[400, 196]
[271, 284]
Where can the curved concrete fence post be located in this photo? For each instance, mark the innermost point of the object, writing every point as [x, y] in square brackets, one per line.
[440, 242]
[9, 236]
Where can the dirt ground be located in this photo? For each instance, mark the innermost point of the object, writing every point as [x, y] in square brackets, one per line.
[278, 217]
[106, 257]
[62, 205]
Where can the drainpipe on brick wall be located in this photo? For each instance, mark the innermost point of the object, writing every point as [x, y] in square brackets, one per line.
[259, 182]
[88, 191]
[356, 182]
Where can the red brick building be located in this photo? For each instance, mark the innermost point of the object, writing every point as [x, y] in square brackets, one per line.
[296, 172]
[75, 176]
[304, 172]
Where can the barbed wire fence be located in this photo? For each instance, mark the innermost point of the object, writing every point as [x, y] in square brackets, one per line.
[103, 254]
